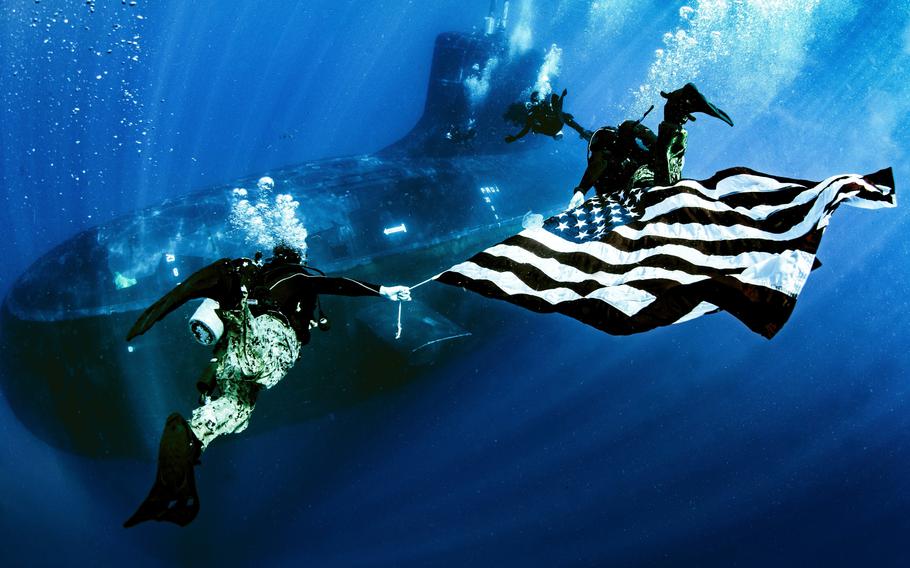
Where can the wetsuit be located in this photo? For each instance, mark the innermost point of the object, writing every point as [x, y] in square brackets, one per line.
[292, 290]
[266, 312]
[547, 117]
[633, 156]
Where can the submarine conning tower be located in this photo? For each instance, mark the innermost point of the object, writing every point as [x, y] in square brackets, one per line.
[474, 77]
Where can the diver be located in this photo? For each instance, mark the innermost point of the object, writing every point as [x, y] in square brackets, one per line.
[632, 156]
[265, 313]
[542, 116]
[464, 134]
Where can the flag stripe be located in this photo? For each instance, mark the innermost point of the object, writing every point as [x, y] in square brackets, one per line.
[765, 314]
[627, 299]
[773, 220]
[733, 247]
[549, 273]
[778, 193]
[593, 257]
[756, 205]
[615, 261]
[721, 255]
[786, 272]
[770, 230]
[870, 189]
[741, 172]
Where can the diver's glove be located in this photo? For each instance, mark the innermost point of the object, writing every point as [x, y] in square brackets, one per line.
[396, 293]
[577, 200]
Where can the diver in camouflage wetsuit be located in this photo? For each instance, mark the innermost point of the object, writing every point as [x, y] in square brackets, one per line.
[632, 156]
[267, 311]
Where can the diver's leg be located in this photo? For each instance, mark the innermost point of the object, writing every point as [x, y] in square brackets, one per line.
[173, 496]
[228, 414]
[259, 353]
[682, 102]
[208, 382]
[669, 153]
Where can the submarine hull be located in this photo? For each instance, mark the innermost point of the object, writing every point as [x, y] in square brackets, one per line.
[395, 217]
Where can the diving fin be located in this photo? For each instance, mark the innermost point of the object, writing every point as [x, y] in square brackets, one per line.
[681, 103]
[173, 497]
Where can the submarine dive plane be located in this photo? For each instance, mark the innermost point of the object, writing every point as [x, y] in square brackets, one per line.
[450, 187]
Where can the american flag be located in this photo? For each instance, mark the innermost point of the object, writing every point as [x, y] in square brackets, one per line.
[741, 241]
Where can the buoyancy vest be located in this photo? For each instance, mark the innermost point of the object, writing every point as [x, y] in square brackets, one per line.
[297, 305]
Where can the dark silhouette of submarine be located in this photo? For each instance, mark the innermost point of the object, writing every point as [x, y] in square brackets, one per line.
[450, 187]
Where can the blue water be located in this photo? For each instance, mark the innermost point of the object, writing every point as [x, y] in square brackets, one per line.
[554, 445]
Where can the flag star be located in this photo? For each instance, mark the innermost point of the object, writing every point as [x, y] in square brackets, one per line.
[578, 212]
[582, 235]
[596, 210]
[581, 223]
[599, 219]
[561, 215]
[562, 226]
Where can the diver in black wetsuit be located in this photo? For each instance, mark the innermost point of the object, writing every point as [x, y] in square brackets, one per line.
[633, 156]
[463, 134]
[542, 116]
[266, 311]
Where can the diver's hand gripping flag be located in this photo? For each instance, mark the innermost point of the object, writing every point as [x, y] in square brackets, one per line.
[741, 241]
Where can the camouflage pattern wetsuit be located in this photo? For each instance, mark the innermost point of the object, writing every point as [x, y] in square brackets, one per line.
[266, 313]
[263, 335]
[632, 156]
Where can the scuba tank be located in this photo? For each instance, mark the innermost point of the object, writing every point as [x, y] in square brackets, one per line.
[205, 325]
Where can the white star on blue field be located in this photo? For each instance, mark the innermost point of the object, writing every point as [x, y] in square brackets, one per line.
[588, 222]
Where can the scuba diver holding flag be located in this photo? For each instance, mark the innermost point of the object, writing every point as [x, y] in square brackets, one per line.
[633, 156]
[258, 315]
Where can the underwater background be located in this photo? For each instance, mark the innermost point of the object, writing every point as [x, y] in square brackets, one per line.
[547, 443]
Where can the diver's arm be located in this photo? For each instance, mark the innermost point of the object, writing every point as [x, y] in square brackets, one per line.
[596, 167]
[558, 101]
[583, 133]
[602, 140]
[340, 286]
[347, 287]
[524, 131]
[214, 281]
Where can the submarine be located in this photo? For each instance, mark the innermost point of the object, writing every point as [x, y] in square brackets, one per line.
[449, 187]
